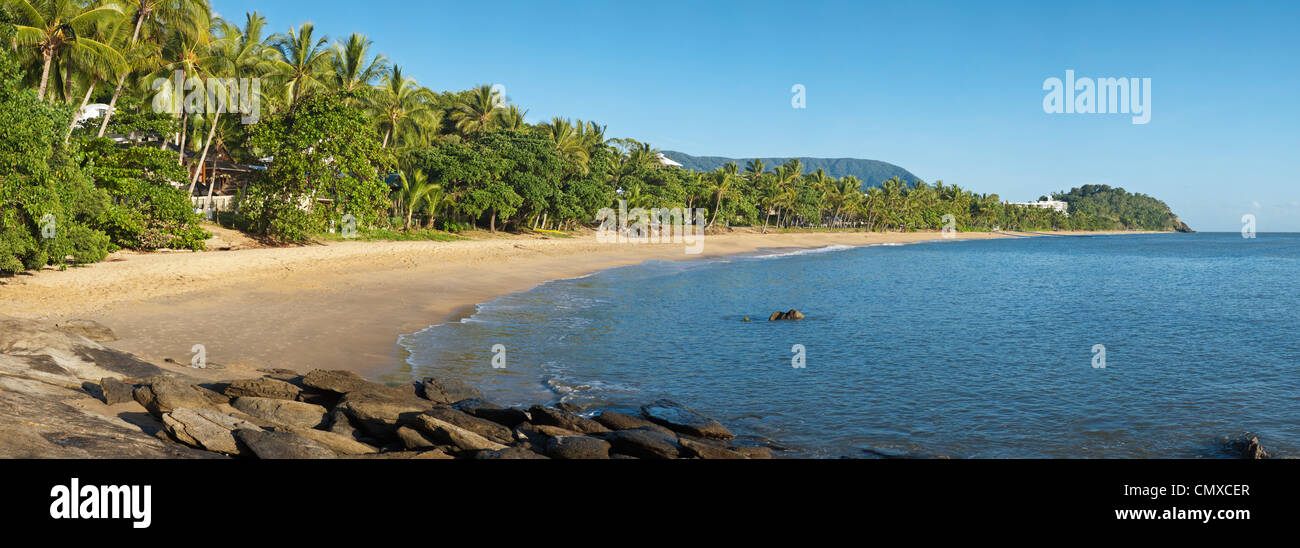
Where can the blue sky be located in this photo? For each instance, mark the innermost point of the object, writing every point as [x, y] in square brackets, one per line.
[951, 91]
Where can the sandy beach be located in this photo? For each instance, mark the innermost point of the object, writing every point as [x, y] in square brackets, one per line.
[338, 305]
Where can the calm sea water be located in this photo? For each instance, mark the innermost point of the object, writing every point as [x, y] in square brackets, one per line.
[962, 348]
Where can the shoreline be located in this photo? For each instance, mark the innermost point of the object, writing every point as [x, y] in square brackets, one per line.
[344, 305]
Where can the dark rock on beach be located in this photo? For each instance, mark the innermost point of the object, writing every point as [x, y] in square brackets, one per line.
[282, 445]
[483, 427]
[622, 421]
[265, 387]
[509, 453]
[162, 394]
[446, 390]
[284, 412]
[507, 416]
[206, 428]
[51, 407]
[681, 419]
[550, 416]
[115, 391]
[644, 443]
[577, 447]
[378, 413]
[708, 449]
[443, 432]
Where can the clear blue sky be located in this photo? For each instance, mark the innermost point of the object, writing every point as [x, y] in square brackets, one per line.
[951, 91]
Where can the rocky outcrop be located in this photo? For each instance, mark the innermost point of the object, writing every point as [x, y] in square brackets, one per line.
[621, 421]
[486, 428]
[63, 395]
[1246, 446]
[378, 413]
[282, 412]
[681, 419]
[483, 409]
[791, 315]
[446, 390]
[577, 447]
[282, 445]
[645, 443]
[550, 416]
[206, 429]
[446, 433]
[162, 394]
[114, 391]
[264, 387]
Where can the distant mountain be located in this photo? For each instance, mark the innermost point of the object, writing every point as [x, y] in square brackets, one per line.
[872, 172]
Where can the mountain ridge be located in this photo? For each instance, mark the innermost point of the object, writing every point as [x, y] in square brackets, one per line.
[871, 172]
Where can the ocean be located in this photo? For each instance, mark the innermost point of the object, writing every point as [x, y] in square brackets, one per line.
[1145, 346]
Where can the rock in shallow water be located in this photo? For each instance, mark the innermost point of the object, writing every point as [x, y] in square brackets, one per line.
[682, 419]
[1247, 446]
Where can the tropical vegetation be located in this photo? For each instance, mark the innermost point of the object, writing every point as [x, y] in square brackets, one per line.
[343, 135]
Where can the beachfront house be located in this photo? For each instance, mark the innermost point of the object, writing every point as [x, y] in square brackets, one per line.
[1059, 206]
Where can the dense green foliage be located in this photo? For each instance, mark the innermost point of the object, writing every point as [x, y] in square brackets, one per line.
[325, 160]
[99, 196]
[345, 135]
[1117, 209]
[870, 172]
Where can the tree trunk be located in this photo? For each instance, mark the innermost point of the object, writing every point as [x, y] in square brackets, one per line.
[180, 139]
[203, 157]
[67, 136]
[112, 104]
[492, 224]
[45, 74]
[716, 206]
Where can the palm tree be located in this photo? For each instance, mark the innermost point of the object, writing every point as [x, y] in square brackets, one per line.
[510, 118]
[96, 68]
[302, 61]
[722, 180]
[568, 141]
[473, 115]
[237, 53]
[754, 169]
[189, 17]
[354, 69]
[51, 26]
[402, 105]
[414, 192]
[190, 56]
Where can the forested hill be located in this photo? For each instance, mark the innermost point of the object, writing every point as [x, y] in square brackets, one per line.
[871, 172]
[1117, 209]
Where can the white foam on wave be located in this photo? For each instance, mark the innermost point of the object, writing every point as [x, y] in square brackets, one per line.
[827, 249]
